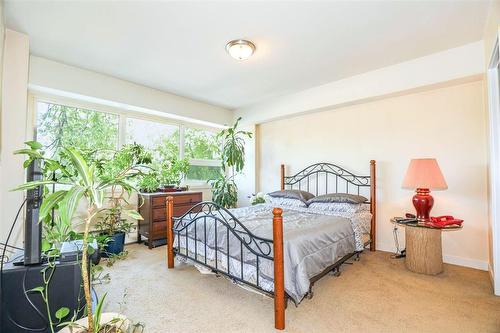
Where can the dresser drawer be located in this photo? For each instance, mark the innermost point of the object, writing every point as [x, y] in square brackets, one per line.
[160, 214]
[160, 201]
[159, 227]
[179, 199]
[187, 199]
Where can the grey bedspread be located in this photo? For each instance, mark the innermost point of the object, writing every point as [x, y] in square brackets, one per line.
[312, 242]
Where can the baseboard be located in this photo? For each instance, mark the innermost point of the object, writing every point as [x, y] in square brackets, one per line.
[454, 260]
[466, 262]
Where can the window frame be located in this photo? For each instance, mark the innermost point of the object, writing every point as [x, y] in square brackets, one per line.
[35, 97]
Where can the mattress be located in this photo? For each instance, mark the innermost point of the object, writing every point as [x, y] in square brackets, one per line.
[312, 241]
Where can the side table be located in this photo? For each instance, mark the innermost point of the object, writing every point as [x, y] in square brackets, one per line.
[424, 252]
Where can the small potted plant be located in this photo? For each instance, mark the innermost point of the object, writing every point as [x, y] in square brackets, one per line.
[150, 182]
[112, 230]
[171, 173]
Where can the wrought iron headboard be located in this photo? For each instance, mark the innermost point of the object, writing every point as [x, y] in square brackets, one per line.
[322, 178]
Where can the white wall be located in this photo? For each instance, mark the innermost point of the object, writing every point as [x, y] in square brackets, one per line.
[446, 123]
[13, 129]
[60, 79]
[457, 63]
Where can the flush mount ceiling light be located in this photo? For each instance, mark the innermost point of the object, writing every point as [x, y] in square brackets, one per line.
[240, 49]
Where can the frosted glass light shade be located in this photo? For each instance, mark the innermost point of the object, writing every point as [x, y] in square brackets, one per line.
[424, 173]
[240, 49]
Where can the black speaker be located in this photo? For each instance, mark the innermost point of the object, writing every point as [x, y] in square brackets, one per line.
[32, 226]
[23, 311]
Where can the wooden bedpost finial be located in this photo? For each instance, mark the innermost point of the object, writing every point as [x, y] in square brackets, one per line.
[170, 231]
[279, 271]
[277, 212]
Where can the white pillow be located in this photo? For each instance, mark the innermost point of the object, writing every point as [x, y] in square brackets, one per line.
[339, 207]
[284, 201]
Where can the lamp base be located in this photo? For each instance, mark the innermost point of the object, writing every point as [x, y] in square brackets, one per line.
[423, 202]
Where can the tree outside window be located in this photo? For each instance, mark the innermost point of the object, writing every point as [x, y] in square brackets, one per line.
[60, 125]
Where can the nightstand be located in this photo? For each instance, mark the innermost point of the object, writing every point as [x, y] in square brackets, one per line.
[424, 252]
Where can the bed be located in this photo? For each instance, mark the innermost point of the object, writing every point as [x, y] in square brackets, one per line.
[279, 251]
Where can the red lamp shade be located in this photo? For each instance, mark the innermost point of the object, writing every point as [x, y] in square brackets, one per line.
[423, 175]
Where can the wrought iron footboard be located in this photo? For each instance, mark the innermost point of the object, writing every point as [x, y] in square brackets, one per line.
[225, 243]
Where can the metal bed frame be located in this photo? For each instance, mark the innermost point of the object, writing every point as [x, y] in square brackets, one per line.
[193, 222]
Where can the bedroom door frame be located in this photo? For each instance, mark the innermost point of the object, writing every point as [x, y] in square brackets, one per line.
[493, 76]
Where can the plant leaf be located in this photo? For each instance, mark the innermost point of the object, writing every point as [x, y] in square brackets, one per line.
[61, 313]
[50, 201]
[46, 245]
[98, 311]
[68, 205]
[33, 184]
[33, 144]
[34, 154]
[81, 166]
[133, 214]
[39, 289]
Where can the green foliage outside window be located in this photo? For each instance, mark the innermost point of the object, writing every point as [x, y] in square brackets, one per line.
[63, 126]
[92, 131]
[203, 145]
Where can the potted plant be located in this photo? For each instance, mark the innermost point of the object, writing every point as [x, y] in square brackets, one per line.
[224, 189]
[112, 230]
[172, 171]
[81, 182]
[165, 175]
[150, 183]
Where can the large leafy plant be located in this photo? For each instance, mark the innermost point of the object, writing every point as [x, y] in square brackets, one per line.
[123, 170]
[224, 189]
[233, 150]
[81, 181]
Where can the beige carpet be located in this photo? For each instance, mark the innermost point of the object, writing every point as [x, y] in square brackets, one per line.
[376, 294]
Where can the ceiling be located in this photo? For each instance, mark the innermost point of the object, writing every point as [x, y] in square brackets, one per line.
[179, 46]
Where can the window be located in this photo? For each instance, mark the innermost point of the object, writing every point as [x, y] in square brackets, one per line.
[60, 125]
[202, 148]
[162, 139]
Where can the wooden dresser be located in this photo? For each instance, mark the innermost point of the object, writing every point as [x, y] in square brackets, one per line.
[153, 210]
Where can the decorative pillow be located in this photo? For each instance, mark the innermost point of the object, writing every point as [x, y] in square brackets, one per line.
[338, 198]
[292, 194]
[277, 201]
[339, 207]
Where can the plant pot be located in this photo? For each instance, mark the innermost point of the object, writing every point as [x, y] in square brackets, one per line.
[119, 321]
[96, 257]
[115, 245]
[168, 188]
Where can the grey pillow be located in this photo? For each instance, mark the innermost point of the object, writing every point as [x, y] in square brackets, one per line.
[292, 194]
[339, 198]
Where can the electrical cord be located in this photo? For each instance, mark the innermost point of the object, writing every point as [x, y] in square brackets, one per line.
[399, 254]
[6, 244]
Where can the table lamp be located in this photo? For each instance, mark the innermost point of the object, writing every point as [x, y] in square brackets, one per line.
[423, 175]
